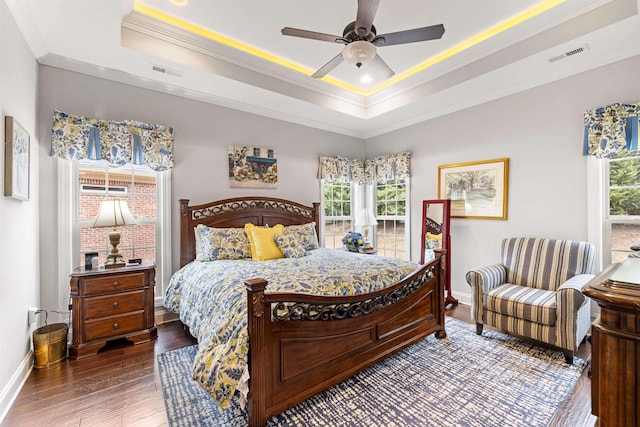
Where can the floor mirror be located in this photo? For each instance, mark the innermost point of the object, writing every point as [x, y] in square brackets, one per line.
[436, 216]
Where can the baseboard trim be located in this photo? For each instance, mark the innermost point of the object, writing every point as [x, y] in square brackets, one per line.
[12, 389]
[162, 316]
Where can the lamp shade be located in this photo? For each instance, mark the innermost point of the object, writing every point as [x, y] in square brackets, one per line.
[113, 213]
[359, 52]
[366, 218]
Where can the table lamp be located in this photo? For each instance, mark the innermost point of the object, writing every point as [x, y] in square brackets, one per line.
[366, 220]
[113, 213]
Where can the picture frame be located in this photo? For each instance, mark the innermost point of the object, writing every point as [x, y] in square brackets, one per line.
[252, 167]
[17, 160]
[476, 189]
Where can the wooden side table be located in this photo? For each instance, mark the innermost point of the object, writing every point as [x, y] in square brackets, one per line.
[110, 304]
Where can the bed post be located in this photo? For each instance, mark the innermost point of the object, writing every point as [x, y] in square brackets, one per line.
[441, 253]
[256, 405]
[185, 216]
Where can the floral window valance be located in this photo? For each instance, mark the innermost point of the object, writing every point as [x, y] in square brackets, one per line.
[118, 142]
[610, 130]
[384, 168]
[377, 169]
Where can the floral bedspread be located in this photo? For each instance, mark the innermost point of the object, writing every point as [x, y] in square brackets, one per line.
[211, 299]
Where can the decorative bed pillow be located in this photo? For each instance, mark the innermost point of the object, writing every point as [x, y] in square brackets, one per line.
[198, 237]
[305, 234]
[290, 246]
[222, 243]
[262, 243]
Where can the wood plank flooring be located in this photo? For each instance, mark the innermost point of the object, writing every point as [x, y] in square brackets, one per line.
[120, 386]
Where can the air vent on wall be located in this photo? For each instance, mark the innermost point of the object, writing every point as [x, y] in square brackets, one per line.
[572, 52]
[165, 70]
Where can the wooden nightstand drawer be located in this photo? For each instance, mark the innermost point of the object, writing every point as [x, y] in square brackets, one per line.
[112, 326]
[114, 283]
[110, 305]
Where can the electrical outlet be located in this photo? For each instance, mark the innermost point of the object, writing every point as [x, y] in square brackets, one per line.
[32, 314]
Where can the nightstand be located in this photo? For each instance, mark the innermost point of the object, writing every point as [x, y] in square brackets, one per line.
[110, 304]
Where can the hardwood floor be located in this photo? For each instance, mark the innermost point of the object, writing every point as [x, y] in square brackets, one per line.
[120, 386]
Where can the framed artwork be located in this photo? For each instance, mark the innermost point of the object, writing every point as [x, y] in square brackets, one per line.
[476, 189]
[252, 167]
[16, 160]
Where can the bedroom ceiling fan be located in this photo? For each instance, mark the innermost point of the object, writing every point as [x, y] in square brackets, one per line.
[361, 40]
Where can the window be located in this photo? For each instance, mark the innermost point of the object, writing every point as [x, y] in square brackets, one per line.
[622, 216]
[341, 201]
[337, 210]
[137, 241]
[147, 195]
[391, 212]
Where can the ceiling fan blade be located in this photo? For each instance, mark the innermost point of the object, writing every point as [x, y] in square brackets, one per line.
[305, 34]
[328, 67]
[382, 68]
[364, 18]
[410, 36]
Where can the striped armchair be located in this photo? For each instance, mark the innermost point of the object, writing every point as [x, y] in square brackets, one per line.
[536, 291]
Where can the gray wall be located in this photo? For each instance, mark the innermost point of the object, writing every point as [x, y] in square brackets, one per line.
[19, 258]
[202, 133]
[540, 131]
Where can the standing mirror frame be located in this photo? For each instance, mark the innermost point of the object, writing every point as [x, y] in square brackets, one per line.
[436, 217]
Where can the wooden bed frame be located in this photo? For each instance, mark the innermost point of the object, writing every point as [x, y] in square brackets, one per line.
[300, 345]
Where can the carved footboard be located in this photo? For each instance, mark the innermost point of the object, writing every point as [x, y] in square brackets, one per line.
[300, 345]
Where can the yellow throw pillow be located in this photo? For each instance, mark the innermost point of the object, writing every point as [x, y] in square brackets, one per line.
[263, 243]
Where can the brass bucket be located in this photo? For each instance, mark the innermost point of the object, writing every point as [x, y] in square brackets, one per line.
[49, 345]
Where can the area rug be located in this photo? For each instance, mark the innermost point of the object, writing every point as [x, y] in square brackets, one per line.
[462, 380]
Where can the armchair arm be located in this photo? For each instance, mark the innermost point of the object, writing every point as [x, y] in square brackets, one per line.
[574, 316]
[481, 281]
[571, 291]
[487, 278]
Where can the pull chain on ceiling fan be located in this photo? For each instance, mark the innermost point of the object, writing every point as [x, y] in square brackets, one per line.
[361, 40]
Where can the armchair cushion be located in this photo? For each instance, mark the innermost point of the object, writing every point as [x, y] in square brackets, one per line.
[523, 302]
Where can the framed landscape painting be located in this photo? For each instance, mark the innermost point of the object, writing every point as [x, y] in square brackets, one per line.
[476, 189]
[16, 160]
[252, 167]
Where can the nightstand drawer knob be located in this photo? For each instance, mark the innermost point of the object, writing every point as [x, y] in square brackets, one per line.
[115, 304]
[116, 284]
[116, 326]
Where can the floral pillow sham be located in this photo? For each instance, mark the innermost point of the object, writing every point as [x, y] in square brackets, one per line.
[221, 243]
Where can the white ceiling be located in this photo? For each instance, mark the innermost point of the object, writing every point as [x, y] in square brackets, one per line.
[109, 39]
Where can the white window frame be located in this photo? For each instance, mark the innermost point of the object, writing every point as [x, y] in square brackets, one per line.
[324, 218]
[68, 237]
[372, 201]
[610, 220]
[364, 195]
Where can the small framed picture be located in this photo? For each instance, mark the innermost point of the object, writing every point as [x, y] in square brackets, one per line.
[16, 160]
[88, 259]
[476, 189]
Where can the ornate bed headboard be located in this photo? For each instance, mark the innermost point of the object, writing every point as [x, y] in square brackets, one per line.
[238, 211]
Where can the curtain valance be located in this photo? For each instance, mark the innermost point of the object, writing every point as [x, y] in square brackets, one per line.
[118, 142]
[341, 169]
[384, 168]
[377, 169]
[610, 130]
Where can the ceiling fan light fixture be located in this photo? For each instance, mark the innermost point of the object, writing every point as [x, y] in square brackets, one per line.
[359, 52]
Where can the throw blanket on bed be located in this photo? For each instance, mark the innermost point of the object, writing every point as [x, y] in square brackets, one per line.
[211, 299]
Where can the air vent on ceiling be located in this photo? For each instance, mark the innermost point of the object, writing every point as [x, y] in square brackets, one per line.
[165, 70]
[572, 52]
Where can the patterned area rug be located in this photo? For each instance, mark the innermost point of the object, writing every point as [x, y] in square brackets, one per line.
[463, 380]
